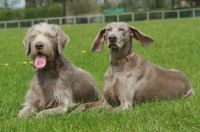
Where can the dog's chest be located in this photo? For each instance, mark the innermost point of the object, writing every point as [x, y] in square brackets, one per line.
[49, 92]
[47, 85]
[117, 80]
[47, 79]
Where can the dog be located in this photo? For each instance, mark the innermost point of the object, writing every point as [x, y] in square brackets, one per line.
[57, 84]
[130, 79]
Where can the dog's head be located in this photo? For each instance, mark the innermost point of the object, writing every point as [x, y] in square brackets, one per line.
[117, 34]
[44, 42]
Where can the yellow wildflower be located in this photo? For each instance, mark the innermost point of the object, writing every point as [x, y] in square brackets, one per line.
[5, 64]
[30, 62]
[83, 51]
[99, 84]
[24, 62]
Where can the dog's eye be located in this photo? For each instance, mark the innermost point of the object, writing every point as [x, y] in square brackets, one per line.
[109, 29]
[32, 37]
[48, 35]
[121, 29]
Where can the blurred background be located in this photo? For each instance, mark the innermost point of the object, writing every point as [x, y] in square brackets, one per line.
[56, 8]
[92, 11]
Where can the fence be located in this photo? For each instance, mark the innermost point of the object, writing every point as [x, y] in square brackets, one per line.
[103, 18]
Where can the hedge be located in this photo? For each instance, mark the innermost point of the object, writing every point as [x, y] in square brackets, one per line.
[31, 13]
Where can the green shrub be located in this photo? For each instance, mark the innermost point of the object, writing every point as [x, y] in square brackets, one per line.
[155, 15]
[30, 13]
[125, 18]
[11, 14]
[140, 16]
[42, 12]
[111, 18]
[185, 14]
[170, 14]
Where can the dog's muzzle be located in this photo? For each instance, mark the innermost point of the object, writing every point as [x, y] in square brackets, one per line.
[39, 45]
[40, 60]
[112, 39]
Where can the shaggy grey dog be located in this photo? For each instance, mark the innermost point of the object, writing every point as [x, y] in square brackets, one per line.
[57, 84]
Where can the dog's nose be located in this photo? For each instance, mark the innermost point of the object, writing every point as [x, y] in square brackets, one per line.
[112, 38]
[39, 45]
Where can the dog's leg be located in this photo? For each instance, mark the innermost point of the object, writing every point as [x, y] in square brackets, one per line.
[26, 111]
[58, 110]
[124, 89]
[101, 104]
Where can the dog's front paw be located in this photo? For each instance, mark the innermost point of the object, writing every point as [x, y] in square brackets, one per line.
[40, 114]
[20, 114]
[23, 113]
[26, 111]
[43, 113]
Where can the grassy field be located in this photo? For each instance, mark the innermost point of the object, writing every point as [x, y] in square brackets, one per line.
[177, 45]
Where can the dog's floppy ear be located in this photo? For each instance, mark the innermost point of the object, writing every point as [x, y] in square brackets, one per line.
[144, 39]
[99, 41]
[26, 41]
[63, 40]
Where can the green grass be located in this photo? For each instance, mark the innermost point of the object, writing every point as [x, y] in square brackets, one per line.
[177, 45]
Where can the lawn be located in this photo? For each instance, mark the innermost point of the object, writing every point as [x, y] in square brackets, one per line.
[177, 45]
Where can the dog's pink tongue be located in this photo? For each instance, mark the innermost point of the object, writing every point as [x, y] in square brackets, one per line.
[40, 61]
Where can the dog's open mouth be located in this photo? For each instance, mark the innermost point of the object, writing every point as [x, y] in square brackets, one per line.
[40, 61]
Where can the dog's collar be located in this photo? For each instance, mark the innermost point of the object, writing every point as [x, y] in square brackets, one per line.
[122, 61]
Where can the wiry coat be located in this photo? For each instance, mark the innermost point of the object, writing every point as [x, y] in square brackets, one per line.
[59, 84]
